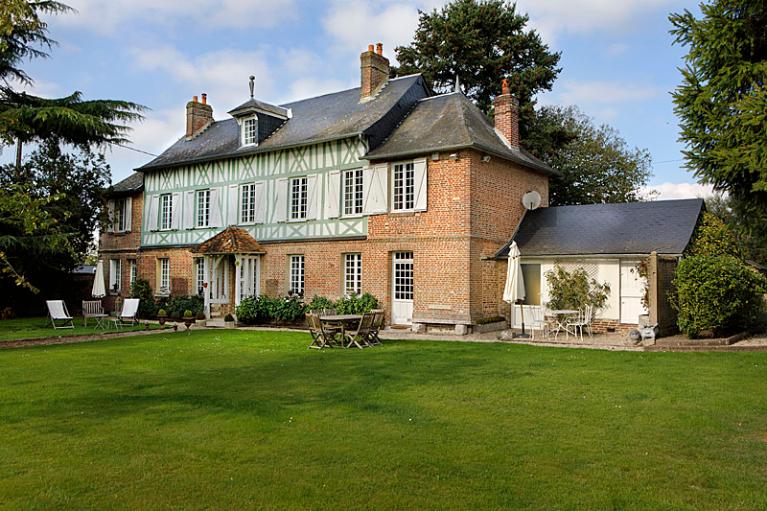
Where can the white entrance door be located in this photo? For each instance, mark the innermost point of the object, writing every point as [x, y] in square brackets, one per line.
[402, 288]
[219, 279]
[247, 275]
[632, 290]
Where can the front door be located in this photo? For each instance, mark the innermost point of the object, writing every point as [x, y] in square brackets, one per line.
[402, 288]
[219, 279]
[632, 290]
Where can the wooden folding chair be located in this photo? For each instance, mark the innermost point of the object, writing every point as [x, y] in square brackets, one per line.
[322, 337]
[378, 320]
[360, 335]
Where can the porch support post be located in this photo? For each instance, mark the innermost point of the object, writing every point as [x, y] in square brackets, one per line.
[207, 288]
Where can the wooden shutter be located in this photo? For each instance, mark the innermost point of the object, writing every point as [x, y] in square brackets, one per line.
[153, 212]
[232, 218]
[175, 217]
[111, 216]
[215, 207]
[281, 200]
[420, 180]
[128, 213]
[189, 222]
[332, 194]
[313, 198]
[260, 203]
[375, 184]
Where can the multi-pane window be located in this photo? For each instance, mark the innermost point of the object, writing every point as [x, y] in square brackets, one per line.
[403, 275]
[250, 131]
[166, 211]
[404, 186]
[248, 203]
[199, 275]
[115, 274]
[297, 274]
[352, 274]
[133, 271]
[298, 198]
[203, 208]
[353, 192]
[120, 213]
[164, 287]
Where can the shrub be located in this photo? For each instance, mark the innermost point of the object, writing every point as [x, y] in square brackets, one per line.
[573, 290]
[290, 310]
[321, 302]
[714, 238]
[228, 318]
[355, 304]
[147, 308]
[162, 313]
[188, 314]
[720, 294]
[177, 305]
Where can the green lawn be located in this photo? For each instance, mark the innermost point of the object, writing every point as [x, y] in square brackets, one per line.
[254, 420]
[37, 328]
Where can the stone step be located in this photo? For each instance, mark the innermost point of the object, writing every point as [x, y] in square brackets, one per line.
[215, 323]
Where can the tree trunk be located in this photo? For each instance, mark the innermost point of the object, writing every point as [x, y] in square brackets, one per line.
[19, 146]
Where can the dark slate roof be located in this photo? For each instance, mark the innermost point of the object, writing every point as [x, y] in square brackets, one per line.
[447, 123]
[84, 269]
[232, 240]
[328, 117]
[130, 185]
[254, 105]
[632, 228]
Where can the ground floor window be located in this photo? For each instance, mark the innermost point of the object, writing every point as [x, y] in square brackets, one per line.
[297, 274]
[163, 284]
[403, 275]
[115, 280]
[133, 272]
[199, 275]
[531, 273]
[353, 274]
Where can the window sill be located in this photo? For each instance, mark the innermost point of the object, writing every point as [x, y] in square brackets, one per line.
[404, 212]
[297, 220]
[355, 215]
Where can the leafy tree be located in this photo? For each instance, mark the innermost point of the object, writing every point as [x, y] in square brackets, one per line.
[595, 163]
[751, 236]
[480, 42]
[722, 101]
[574, 290]
[714, 238]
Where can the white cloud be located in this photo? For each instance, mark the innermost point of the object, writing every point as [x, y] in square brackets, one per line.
[43, 88]
[598, 98]
[110, 16]
[666, 191]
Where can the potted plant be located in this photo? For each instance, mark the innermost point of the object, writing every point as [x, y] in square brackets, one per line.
[229, 321]
[200, 316]
[188, 318]
[162, 316]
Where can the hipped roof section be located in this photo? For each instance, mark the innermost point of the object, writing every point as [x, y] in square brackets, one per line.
[232, 240]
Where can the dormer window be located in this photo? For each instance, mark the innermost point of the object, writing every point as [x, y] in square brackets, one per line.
[250, 131]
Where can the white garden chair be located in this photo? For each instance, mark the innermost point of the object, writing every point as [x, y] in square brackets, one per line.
[584, 319]
[57, 311]
[539, 322]
[129, 314]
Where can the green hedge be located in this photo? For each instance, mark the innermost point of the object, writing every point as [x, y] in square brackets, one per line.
[263, 309]
[720, 294]
[174, 305]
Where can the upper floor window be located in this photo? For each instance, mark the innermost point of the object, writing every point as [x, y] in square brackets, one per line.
[250, 131]
[352, 192]
[203, 208]
[299, 195]
[404, 187]
[166, 211]
[121, 206]
[248, 203]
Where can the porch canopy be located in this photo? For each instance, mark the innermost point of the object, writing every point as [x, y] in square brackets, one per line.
[232, 240]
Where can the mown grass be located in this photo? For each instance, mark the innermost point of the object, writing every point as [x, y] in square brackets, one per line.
[38, 328]
[254, 420]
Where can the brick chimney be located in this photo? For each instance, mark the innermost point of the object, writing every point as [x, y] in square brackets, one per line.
[507, 115]
[374, 71]
[198, 116]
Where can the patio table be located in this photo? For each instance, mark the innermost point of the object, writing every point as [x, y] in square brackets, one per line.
[99, 318]
[560, 317]
[341, 320]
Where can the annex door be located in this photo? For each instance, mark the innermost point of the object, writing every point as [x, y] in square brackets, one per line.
[632, 290]
[402, 288]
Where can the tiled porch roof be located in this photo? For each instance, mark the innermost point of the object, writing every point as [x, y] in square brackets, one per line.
[232, 240]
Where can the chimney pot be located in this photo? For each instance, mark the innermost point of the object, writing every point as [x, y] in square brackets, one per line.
[204, 99]
[194, 99]
[505, 86]
[370, 47]
[379, 48]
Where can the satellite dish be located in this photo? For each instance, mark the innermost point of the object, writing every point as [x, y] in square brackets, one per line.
[531, 200]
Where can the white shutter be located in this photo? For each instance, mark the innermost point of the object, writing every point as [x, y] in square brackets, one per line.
[153, 212]
[128, 213]
[111, 216]
[281, 200]
[260, 203]
[312, 197]
[332, 194]
[420, 181]
[189, 210]
[375, 183]
[215, 207]
[232, 216]
[174, 212]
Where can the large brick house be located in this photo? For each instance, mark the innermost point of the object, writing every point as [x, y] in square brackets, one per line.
[386, 188]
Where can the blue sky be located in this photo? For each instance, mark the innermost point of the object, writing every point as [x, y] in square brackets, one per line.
[618, 63]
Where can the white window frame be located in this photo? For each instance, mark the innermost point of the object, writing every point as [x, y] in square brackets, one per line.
[199, 275]
[403, 192]
[353, 192]
[202, 208]
[166, 212]
[250, 131]
[119, 214]
[296, 273]
[402, 276]
[248, 203]
[133, 275]
[352, 274]
[298, 190]
[115, 275]
[163, 287]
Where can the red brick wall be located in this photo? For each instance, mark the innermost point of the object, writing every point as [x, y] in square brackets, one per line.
[122, 246]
